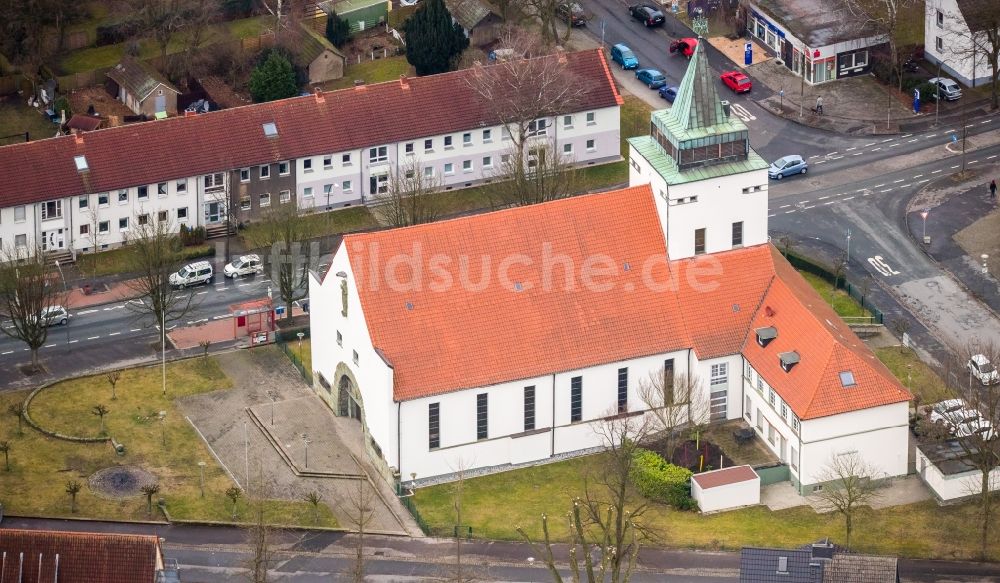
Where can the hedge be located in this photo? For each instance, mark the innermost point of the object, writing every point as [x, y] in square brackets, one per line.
[659, 480]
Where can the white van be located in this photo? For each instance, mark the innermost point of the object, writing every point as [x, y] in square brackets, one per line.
[195, 273]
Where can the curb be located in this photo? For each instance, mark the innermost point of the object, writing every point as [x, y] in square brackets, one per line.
[89, 519]
[291, 464]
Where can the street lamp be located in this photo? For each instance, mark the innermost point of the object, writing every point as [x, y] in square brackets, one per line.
[273, 395]
[163, 430]
[923, 215]
[300, 336]
[201, 469]
[65, 300]
[986, 274]
[305, 442]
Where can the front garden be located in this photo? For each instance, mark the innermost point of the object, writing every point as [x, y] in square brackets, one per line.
[161, 448]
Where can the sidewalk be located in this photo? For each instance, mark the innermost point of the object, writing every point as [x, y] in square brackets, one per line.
[101, 293]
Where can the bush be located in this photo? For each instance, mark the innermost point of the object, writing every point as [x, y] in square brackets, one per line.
[659, 480]
[192, 236]
[928, 91]
[116, 32]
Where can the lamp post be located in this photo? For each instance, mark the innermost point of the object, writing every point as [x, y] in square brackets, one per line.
[923, 215]
[273, 395]
[65, 301]
[163, 427]
[201, 469]
[848, 246]
[246, 457]
[305, 442]
[300, 336]
[986, 273]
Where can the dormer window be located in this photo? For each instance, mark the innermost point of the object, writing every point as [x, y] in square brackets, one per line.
[788, 360]
[766, 335]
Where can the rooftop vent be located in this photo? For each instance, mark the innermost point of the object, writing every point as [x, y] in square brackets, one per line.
[764, 335]
[518, 286]
[318, 94]
[409, 305]
[823, 550]
[626, 267]
[736, 307]
[788, 360]
[769, 311]
[270, 130]
[81, 163]
[847, 378]
[404, 82]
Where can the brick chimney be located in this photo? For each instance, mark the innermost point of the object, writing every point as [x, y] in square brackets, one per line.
[318, 94]
[78, 137]
[404, 82]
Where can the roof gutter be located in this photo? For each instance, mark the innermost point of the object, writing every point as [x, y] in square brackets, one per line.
[552, 439]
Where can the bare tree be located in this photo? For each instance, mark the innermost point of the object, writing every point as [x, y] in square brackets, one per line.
[100, 411]
[234, 494]
[284, 232]
[405, 200]
[546, 12]
[675, 402]
[260, 534]
[314, 498]
[5, 449]
[977, 33]
[605, 521]
[849, 482]
[27, 290]
[18, 410]
[160, 19]
[526, 94]
[155, 255]
[541, 176]
[150, 490]
[93, 218]
[360, 513]
[113, 376]
[73, 488]
[975, 427]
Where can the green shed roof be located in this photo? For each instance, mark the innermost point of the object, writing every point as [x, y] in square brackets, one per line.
[667, 167]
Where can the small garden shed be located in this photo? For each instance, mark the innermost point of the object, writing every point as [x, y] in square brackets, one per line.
[359, 14]
[142, 88]
[726, 488]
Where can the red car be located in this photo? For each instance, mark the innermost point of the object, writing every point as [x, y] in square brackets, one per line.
[737, 81]
[684, 46]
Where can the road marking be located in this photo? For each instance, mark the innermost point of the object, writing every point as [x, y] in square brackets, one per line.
[821, 161]
[973, 161]
[136, 330]
[878, 186]
[918, 176]
[48, 346]
[911, 141]
[970, 125]
[881, 266]
[985, 122]
[934, 171]
[851, 149]
[222, 317]
[897, 181]
[72, 341]
[955, 166]
[816, 156]
[894, 145]
[86, 312]
[923, 181]
[889, 140]
[93, 338]
[831, 202]
[848, 198]
[121, 307]
[772, 215]
[805, 208]
[876, 149]
[906, 185]
[833, 153]
[991, 157]
[837, 158]
[789, 212]
[886, 190]
[866, 145]
[931, 136]
[200, 293]
[804, 201]
[742, 112]
[904, 136]
[784, 206]
[9, 352]
[823, 198]
[857, 153]
[114, 334]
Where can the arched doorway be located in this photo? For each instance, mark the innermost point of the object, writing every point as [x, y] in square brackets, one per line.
[347, 403]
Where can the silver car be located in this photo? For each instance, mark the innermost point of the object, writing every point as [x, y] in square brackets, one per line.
[793, 164]
[245, 265]
[54, 316]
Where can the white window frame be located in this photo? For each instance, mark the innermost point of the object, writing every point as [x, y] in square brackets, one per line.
[567, 122]
[939, 19]
[107, 200]
[345, 159]
[449, 169]
[327, 162]
[567, 149]
[307, 192]
[591, 146]
[246, 203]
[428, 172]
[467, 139]
[428, 146]
[56, 208]
[83, 202]
[244, 175]
[85, 230]
[719, 374]
[347, 187]
[123, 196]
[378, 154]
[21, 240]
[284, 196]
[537, 127]
[19, 210]
[487, 162]
[449, 143]
[467, 166]
[408, 149]
[120, 227]
[284, 168]
[183, 218]
[181, 186]
[264, 199]
[307, 165]
[488, 136]
[264, 171]
[164, 191]
[591, 118]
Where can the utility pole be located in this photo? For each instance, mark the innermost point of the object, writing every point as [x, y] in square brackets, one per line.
[848, 246]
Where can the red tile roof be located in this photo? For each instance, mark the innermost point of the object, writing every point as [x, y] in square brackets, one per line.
[348, 119]
[806, 324]
[426, 333]
[725, 476]
[82, 557]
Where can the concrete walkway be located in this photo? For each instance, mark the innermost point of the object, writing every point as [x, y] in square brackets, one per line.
[224, 420]
[901, 491]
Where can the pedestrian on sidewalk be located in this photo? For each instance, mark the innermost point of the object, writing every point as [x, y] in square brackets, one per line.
[993, 189]
[819, 105]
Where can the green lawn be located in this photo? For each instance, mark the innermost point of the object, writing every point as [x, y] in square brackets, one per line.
[117, 260]
[842, 302]
[17, 118]
[922, 381]
[303, 351]
[41, 465]
[377, 71]
[494, 505]
[322, 223]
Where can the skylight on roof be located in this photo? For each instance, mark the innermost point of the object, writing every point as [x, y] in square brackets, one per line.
[81, 163]
[270, 129]
[847, 378]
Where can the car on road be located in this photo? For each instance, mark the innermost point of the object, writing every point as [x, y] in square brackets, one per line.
[245, 265]
[647, 14]
[684, 46]
[668, 92]
[572, 13]
[983, 370]
[736, 81]
[195, 273]
[949, 90]
[786, 166]
[651, 78]
[624, 56]
[54, 315]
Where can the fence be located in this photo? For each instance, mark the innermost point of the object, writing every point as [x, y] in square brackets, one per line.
[406, 498]
[773, 474]
[858, 293]
[283, 342]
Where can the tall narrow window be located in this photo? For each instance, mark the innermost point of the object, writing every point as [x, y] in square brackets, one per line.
[622, 390]
[668, 381]
[699, 241]
[434, 425]
[529, 408]
[482, 425]
[737, 233]
[576, 399]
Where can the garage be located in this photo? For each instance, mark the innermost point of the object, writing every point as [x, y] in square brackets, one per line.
[726, 489]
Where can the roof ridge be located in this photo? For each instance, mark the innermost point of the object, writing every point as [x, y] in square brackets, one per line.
[611, 79]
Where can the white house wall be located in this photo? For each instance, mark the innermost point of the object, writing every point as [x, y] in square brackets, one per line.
[11, 228]
[726, 496]
[732, 388]
[953, 487]
[955, 55]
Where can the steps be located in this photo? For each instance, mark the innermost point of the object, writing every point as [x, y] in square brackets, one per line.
[217, 231]
[64, 257]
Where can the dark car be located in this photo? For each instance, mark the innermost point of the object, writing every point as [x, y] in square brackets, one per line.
[651, 78]
[647, 14]
[668, 92]
[572, 13]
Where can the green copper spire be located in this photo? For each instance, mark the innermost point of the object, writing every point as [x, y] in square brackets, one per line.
[697, 105]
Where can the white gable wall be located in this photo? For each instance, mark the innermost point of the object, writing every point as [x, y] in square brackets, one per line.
[955, 55]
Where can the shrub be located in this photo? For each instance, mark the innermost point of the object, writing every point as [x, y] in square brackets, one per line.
[116, 32]
[192, 236]
[659, 480]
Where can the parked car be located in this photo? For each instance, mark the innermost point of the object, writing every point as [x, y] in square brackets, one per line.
[947, 411]
[787, 166]
[974, 426]
[949, 90]
[195, 273]
[54, 315]
[983, 370]
[651, 78]
[737, 81]
[624, 56]
[245, 265]
[668, 92]
[572, 13]
[647, 14]
[684, 46]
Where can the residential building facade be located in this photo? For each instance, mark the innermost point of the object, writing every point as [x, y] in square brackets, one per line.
[956, 38]
[81, 192]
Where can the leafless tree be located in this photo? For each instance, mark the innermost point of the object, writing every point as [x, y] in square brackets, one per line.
[541, 176]
[27, 288]
[100, 410]
[605, 521]
[975, 426]
[849, 482]
[675, 402]
[5, 449]
[360, 513]
[261, 533]
[545, 12]
[526, 93]
[234, 494]
[977, 30]
[18, 410]
[160, 19]
[150, 490]
[882, 18]
[405, 201]
[112, 377]
[283, 232]
[93, 218]
[73, 488]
